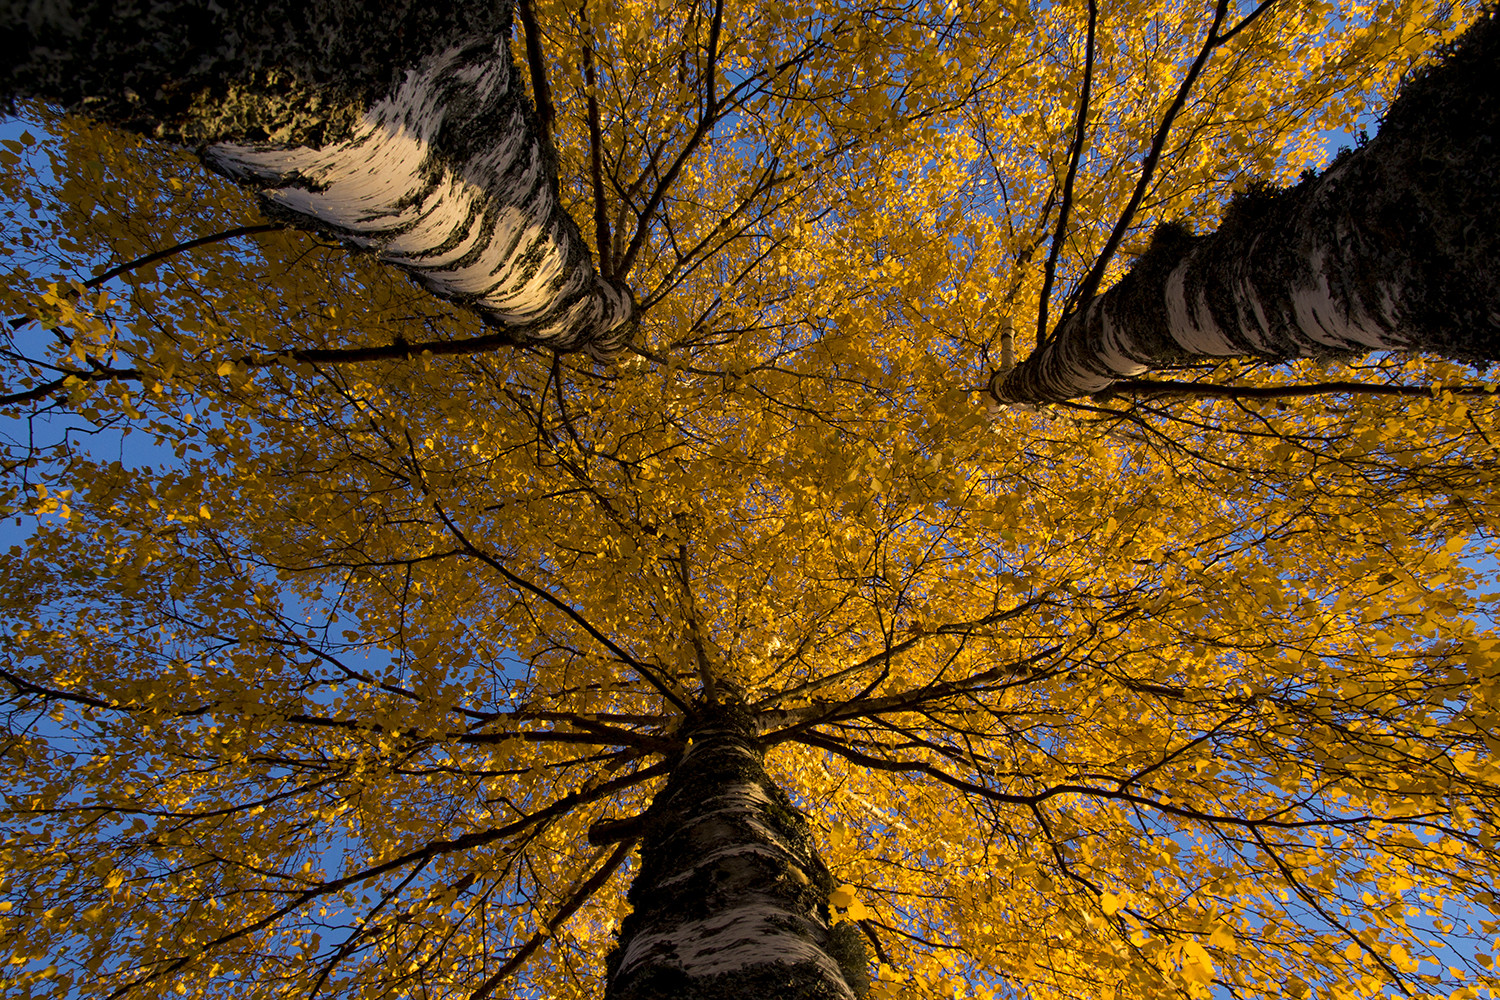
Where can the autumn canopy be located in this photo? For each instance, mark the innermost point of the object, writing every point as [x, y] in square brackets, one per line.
[722, 501]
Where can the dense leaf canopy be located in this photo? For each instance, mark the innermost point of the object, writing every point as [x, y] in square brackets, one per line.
[323, 653]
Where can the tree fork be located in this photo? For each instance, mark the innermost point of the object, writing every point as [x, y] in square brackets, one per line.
[1395, 247]
[731, 899]
[401, 128]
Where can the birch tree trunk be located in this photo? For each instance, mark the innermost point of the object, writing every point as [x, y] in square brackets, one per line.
[1395, 247]
[731, 900]
[398, 127]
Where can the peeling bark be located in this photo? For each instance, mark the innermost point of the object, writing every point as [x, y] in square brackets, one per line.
[1395, 247]
[731, 900]
[400, 131]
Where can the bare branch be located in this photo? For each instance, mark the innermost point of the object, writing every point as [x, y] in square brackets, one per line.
[1074, 156]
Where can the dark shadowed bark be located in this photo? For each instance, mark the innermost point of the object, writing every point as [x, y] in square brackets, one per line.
[731, 900]
[402, 128]
[1395, 246]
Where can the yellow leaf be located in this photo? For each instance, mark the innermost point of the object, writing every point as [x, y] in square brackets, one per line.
[1197, 967]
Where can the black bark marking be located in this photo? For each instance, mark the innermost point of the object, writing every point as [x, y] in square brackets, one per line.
[1395, 245]
[721, 836]
[242, 81]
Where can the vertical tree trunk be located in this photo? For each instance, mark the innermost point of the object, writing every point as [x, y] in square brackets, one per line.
[1396, 246]
[731, 900]
[399, 127]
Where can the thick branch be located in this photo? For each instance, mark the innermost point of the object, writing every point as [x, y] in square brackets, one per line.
[602, 243]
[151, 258]
[536, 62]
[1062, 790]
[1075, 154]
[614, 831]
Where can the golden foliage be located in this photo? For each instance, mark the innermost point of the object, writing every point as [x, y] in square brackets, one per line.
[318, 669]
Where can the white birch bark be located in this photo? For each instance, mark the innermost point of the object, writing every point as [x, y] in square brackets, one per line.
[398, 127]
[445, 178]
[731, 901]
[1395, 247]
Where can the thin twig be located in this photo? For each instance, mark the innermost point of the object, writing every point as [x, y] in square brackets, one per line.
[150, 258]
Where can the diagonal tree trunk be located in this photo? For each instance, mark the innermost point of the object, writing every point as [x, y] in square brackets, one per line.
[731, 899]
[1395, 247]
[400, 128]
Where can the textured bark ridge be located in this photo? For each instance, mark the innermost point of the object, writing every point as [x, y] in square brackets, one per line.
[399, 128]
[731, 901]
[1395, 246]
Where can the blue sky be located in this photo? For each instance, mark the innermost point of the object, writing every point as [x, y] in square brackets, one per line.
[140, 452]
